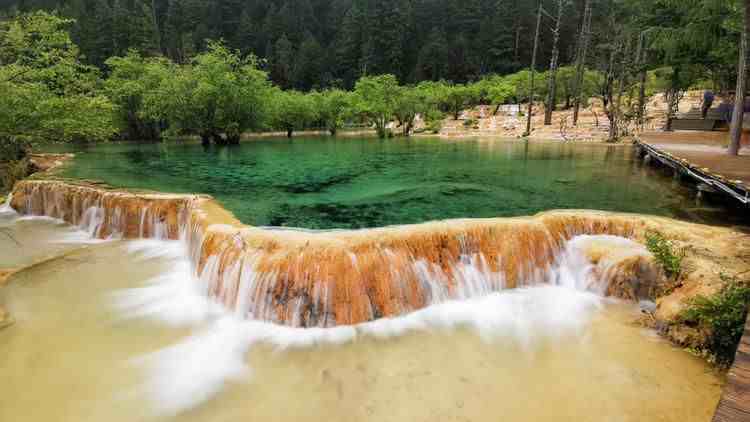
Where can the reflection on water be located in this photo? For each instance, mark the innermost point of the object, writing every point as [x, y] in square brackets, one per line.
[114, 332]
[326, 183]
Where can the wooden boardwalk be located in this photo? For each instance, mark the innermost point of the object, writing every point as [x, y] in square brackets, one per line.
[700, 156]
[735, 400]
[727, 175]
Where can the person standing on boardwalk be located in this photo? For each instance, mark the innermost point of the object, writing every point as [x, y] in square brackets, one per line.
[708, 100]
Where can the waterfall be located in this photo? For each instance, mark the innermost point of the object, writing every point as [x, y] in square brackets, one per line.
[308, 279]
[6, 208]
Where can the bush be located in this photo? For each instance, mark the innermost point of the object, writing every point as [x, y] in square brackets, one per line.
[12, 149]
[724, 316]
[664, 253]
[433, 120]
[11, 172]
[471, 123]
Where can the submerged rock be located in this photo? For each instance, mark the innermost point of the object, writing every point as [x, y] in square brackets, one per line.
[627, 268]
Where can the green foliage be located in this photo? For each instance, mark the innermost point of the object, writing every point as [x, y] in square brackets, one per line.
[313, 44]
[218, 96]
[334, 108]
[500, 92]
[456, 98]
[376, 98]
[131, 78]
[46, 94]
[664, 252]
[410, 103]
[471, 123]
[37, 48]
[11, 172]
[434, 120]
[723, 314]
[292, 110]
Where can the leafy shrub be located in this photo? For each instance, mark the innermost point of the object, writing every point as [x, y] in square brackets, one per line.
[434, 121]
[724, 315]
[664, 252]
[12, 149]
[11, 172]
[468, 123]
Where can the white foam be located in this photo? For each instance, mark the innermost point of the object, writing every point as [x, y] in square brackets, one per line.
[183, 376]
[193, 371]
[174, 297]
[5, 209]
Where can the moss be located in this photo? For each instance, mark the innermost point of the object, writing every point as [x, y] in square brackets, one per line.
[723, 315]
[665, 253]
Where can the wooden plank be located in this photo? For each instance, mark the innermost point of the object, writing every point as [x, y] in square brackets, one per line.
[736, 191]
[734, 405]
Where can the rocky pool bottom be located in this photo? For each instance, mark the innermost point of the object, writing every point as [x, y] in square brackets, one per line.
[113, 331]
[330, 183]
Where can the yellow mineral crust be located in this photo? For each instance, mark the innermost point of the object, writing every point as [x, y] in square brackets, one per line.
[328, 278]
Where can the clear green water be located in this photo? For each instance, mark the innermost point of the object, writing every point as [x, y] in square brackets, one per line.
[324, 183]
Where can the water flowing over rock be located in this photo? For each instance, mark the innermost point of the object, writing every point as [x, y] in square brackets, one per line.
[325, 279]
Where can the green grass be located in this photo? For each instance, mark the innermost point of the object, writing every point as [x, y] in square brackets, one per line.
[723, 314]
[665, 253]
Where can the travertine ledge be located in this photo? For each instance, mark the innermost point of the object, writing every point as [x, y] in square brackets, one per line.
[304, 278]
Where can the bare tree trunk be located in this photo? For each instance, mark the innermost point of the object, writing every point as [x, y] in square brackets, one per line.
[156, 26]
[641, 60]
[583, 43]
[735, 132]
[552, 89]
[673, 96]
[609, 93]
[614, 135]
[532, 68]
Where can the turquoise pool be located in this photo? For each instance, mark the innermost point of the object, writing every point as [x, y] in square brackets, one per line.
[325, 183]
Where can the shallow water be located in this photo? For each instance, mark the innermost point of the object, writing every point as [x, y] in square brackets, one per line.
[323, 183]
[113, 332]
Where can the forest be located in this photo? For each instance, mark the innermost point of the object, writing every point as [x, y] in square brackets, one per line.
[86, 70]
[314, 44]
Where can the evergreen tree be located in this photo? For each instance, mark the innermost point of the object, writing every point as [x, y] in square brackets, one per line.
[433, 58]
[386, 42]
[175, 28]
[349, 44]
[308, 65]
[282, 62]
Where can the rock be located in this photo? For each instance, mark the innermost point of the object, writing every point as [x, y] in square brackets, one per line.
[5, 275]
[5, 319]
[647, 306]
[626, 267]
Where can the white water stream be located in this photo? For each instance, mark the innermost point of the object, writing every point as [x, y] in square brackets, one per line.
[121, 331]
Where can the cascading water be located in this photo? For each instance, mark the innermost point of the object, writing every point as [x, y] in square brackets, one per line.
[6, 208]
[334, 278]
[559, 304]
[522, 284]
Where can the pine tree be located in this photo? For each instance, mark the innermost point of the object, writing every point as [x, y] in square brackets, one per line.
[386, 32]
[433, 58]
[308, 66]
[175, 27]
[497, 37]
[349, 44]
[282, 62]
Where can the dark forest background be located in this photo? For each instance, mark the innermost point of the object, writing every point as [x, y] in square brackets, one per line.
[309, 44]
